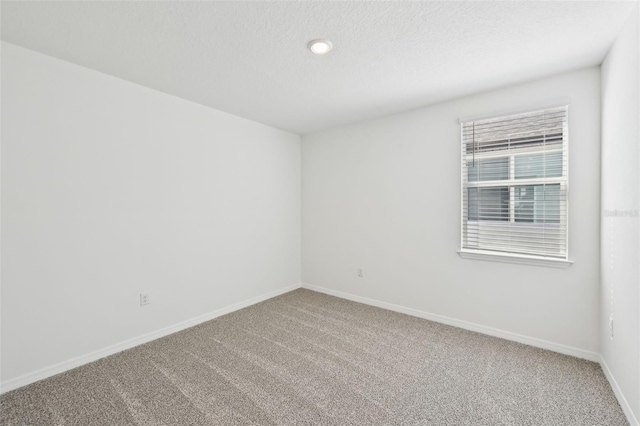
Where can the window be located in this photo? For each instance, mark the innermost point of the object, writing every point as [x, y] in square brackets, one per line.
[514, 186]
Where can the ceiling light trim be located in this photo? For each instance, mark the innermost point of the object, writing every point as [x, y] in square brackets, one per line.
[320, 46]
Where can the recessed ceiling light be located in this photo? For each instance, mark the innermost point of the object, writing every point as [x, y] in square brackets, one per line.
[320, 46]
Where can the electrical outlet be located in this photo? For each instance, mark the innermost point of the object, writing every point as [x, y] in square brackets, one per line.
[611, 325]
[144, 299]
[361, 272]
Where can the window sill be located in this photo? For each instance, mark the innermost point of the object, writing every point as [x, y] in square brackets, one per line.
[514, 258]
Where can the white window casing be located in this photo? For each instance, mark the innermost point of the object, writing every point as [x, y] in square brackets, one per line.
[515, 188]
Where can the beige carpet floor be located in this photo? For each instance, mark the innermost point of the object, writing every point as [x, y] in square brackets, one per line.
[305, 358]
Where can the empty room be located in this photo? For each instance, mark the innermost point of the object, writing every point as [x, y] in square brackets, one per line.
[320, 213]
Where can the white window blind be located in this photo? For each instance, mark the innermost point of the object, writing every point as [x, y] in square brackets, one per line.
[515, 185]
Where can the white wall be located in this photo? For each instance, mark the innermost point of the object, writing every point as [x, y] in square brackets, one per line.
[385, 195]
[620, 254]
[109, 189]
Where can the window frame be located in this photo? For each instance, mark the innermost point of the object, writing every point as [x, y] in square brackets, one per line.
[511, 183]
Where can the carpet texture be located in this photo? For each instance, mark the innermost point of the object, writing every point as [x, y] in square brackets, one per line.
[305, 358]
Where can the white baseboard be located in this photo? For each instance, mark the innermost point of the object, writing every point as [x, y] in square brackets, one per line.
[61, 367]
[626, 408]
[531, 341]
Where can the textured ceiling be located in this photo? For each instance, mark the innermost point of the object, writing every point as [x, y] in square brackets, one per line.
[250, 58]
